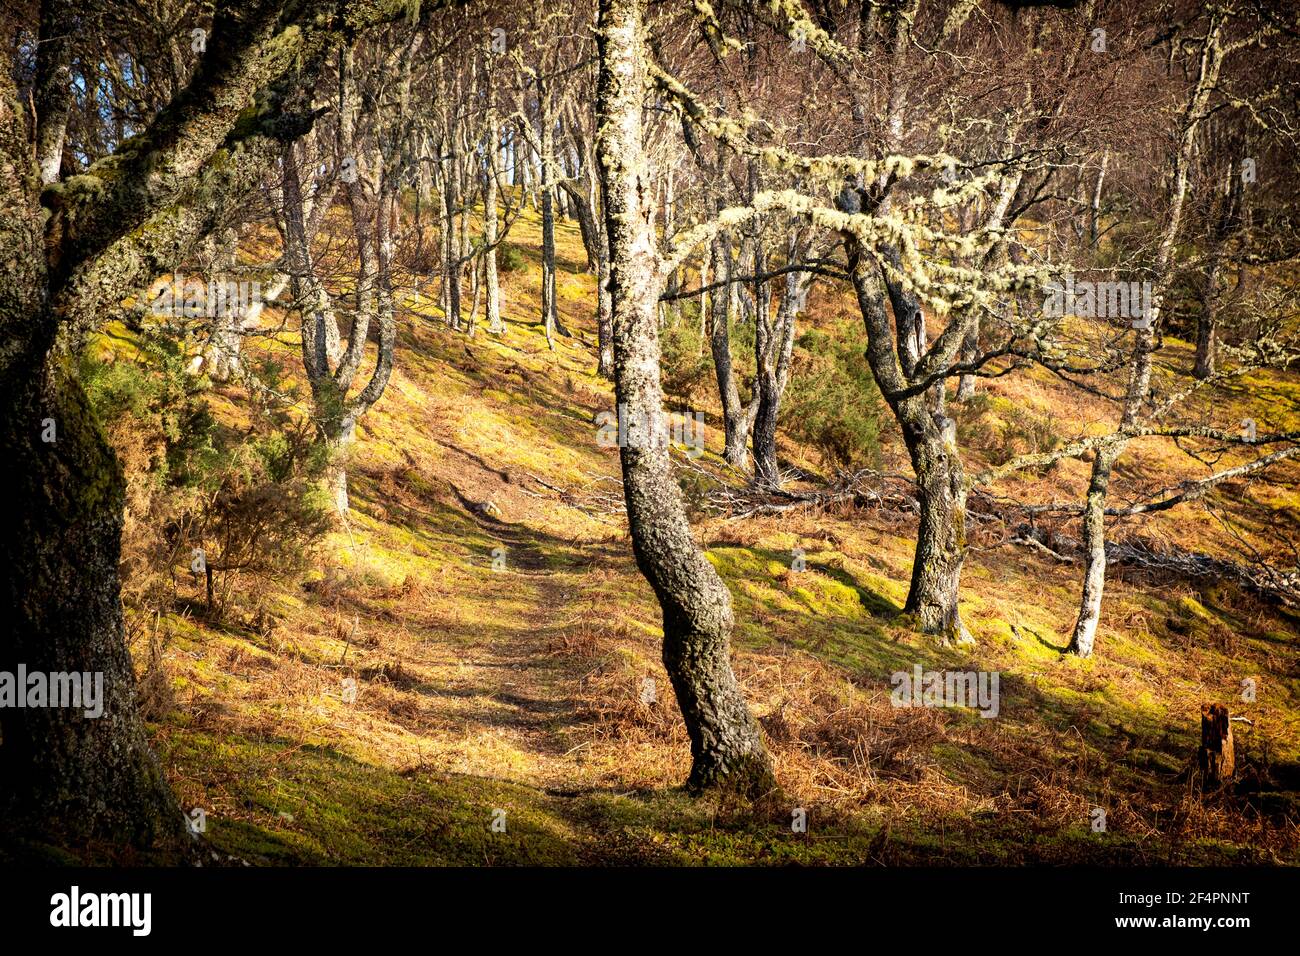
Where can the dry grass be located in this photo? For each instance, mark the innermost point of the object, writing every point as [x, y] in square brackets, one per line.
[535, 676]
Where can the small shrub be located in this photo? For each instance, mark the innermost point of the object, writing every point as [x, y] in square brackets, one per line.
[509, 258]
[1026, 433]
[832, 403]
[686, 360]
[248, 497]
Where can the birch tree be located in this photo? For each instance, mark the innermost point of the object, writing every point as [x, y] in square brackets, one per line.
[726, 746]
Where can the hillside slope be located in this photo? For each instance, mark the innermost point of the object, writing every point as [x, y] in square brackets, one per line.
[520, 687]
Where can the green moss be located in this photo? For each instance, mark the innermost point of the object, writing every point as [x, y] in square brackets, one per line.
[326, 808]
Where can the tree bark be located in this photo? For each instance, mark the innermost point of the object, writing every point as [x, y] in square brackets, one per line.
[941, 535]
[1084, 636]
[726, 745]
[63, 775]
[734, 424]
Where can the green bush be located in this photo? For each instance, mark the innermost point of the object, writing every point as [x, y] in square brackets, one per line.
[686, 360]
[248, 496]
[509, 258]
[1026, 433]
[832, 403]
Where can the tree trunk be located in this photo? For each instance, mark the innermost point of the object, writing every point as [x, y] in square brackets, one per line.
[491, 281]
[1094, 208]
[550, 309]
[969, 352]
[767, 474]
[221, 356]
[339, 437]
[1206, 328]
[67, 780]
[1139, 383]
[1216, 757]
[773, 349]
[726, 745]
[53, 87]
[931, 439]
[64, 776]
[548, 264]
[1227, 223]
[450, 266]
[734, 425]
[1094, 553]
[941, 535]
[673, 283]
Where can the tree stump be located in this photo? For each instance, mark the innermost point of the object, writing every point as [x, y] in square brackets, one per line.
[1216, 757]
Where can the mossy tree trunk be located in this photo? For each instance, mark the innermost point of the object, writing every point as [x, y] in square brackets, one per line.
[73, 252]
[726, 745]
[66, 777]
[941, 535]
[910, 376]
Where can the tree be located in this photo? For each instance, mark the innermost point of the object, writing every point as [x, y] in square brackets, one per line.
[726, 746]
[1211, 50]
[76, 249]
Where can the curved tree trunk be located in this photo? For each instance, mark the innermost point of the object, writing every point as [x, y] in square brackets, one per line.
[71, 779]
[726, 745]
[931, 439]
[67, 779]
[1145, 343]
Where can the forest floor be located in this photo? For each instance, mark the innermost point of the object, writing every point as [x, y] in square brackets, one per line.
[484, 599]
